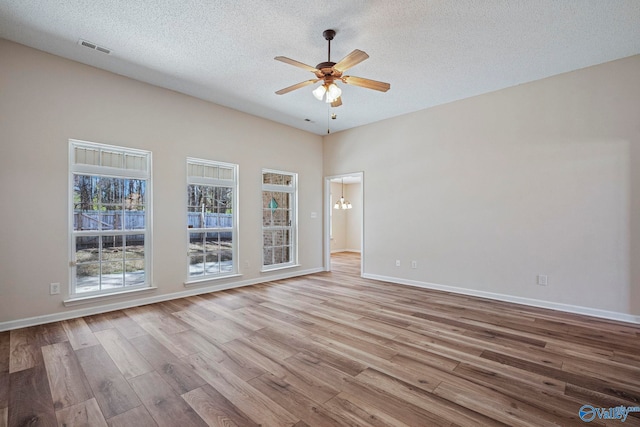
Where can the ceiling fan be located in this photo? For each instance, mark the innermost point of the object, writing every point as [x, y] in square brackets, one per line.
[330, 72]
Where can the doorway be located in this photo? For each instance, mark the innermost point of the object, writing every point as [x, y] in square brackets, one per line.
[344, 228]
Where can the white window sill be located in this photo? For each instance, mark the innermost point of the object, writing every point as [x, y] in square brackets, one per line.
[206, 280]
[279, 267]
[77, 300]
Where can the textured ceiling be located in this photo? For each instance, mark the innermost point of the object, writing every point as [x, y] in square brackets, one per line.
[431, 51]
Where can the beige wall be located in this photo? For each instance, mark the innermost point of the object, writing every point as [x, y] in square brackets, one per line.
[543, 178]
[540, 178]
[46, 100]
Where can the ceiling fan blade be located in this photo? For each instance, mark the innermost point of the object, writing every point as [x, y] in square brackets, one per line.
[367, 83]
[295, 63]
[297, 86]
[354, 58]
[337, 102]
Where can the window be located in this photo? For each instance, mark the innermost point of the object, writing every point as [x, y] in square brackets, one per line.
[279, 221]
[110, 190]
[211, 218]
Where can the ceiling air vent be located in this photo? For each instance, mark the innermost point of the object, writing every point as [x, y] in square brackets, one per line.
[94, 46]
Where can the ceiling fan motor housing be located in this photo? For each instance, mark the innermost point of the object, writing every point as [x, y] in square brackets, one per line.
[329, 34]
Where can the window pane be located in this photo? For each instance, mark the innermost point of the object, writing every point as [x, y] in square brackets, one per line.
[267, 217]
[226, 173]
[268, 256]
[112, 249]
[85, 203]
[267, 238]
[88, 277]
[112, 274]
[112, 159]
[134, 247]
[110, 190]
[279, 218]
[226, 261]
[134, 220]
[134, 194]
[111, 217]
[134, 273]
[196, 244]
[196, 266]
[212, 242]
[87, 249]
[277, 179]
[135, 162]
[87, 156]
[211, 263]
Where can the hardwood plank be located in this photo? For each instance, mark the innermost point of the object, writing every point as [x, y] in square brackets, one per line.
[67, 381]
[262, 409]
[353, 411]
[5, 351]
[167, 340]
[4, 417]
[30, 401]
[162, 320]
[444, 410]
[215, 409]
[99, 322]
[123, 354]
[316, 350]
[165, 406]
[126, 325]
[83, 414]
[79, 333]
[293, 400]
[311, 386]
[236, 363]
[492, 404]
[174, 371]
[24, 349]
[112, 392]
[622, 391]
[4, 390]
[138, 417]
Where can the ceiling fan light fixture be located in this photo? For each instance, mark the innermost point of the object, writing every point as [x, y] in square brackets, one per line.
[319, 92]
[333, 93]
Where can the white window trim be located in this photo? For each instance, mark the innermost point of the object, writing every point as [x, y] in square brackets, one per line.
[293, 189]
[84, 169]
[235, 247]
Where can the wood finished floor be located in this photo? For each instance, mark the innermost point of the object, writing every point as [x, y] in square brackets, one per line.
[322, 350]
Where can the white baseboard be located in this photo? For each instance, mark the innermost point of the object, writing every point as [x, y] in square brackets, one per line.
[335, 251]
[594, 312]
[193, 290]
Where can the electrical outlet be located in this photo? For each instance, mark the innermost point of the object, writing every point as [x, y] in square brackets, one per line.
[414, 264]
[54, 288]
[397, 263]
[542, 280]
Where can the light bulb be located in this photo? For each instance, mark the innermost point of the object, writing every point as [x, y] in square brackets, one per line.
[333, 92]
[319, 92]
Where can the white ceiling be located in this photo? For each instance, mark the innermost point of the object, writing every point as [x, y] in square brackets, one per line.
[431, 51]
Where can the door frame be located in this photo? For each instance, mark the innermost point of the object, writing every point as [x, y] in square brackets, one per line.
[327, 213]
